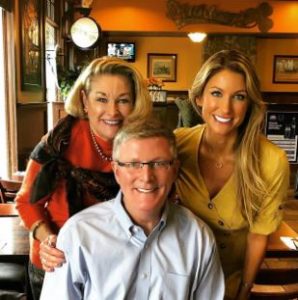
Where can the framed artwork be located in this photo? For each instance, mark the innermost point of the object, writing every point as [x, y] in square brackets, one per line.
[162, 66]
[31, 45]
[285, 69]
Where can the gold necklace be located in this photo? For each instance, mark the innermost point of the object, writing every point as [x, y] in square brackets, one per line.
[98, 149]
[218, 163]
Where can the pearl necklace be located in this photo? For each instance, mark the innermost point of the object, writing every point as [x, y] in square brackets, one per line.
[98, 149]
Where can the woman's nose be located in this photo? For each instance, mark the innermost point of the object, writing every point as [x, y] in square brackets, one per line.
[112, 108]
[226, 104]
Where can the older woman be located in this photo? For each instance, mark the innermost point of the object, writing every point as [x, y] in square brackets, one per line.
[70, 168]
[231, 175]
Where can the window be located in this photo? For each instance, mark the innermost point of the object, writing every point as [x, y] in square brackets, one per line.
[3, 127]
[8, 148]
[51, 67]
[51, 9]
[51, 51]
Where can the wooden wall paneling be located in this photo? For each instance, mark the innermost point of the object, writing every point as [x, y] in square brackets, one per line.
[31, 125]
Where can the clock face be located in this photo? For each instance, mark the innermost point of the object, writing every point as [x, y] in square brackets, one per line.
[85, 32]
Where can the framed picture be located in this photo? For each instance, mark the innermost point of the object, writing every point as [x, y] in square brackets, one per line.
[31, 45]
[285, 69]
[162, 66]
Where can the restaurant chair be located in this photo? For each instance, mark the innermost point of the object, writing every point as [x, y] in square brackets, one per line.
[9, 189]
[14, 281]
[12, 295]
[13, 277]
[187, 116]
[276, 280]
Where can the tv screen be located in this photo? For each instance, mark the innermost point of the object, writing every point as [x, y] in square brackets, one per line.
[124, 50]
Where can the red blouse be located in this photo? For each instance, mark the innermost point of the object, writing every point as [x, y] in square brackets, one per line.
[53, 209]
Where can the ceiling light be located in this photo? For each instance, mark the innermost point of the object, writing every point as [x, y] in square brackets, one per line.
[197, 37]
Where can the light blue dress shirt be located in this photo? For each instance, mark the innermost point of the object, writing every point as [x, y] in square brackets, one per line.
[108, 257]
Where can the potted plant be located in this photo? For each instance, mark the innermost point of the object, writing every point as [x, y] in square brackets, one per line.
[66, 79]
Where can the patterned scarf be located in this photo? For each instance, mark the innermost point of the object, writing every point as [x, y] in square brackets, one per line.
[79, 181]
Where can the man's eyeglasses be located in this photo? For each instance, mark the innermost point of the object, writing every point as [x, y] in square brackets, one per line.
[153, 165]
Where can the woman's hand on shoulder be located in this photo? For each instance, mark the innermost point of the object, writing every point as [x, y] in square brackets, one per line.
[50, 256]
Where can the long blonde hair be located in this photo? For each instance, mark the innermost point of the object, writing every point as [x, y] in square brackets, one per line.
[113, 66]
[251, 188]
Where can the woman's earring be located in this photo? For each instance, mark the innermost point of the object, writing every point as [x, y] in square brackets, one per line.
[85, 110]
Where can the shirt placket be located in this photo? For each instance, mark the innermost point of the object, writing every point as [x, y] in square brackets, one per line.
[144, 268]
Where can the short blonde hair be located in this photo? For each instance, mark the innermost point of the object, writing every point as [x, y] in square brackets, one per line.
[113, 66]
[142, 129]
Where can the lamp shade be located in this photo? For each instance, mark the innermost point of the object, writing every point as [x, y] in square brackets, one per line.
[197, 37]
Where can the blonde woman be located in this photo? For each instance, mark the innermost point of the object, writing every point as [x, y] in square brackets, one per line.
[70, 168]
[231, 175]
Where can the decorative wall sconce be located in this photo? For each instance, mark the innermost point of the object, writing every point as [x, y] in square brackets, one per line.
[87, 3]
[83, 6]
[197, 37]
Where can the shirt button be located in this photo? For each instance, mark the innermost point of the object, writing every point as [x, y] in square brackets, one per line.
[221, 223]
[144, 276]
[210, 205]
[135, 229]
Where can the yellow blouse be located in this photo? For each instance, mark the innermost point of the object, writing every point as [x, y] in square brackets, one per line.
[222, 213]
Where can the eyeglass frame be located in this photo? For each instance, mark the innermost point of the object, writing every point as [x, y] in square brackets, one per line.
[152, 165]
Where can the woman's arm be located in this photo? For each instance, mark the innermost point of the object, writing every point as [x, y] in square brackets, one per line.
[35, 219]
[255, 251]
[30, 213]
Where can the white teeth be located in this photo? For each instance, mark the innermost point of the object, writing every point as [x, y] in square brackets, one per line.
[145, 190]
[223, 120]
[112, 122]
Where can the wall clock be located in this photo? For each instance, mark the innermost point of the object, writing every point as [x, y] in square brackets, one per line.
[85, 33]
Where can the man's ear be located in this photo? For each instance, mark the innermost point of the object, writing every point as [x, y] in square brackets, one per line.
[115, 170]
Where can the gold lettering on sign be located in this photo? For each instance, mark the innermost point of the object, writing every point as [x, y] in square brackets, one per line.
[185, 14]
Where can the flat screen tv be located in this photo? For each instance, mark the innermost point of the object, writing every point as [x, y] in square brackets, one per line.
[124, 50]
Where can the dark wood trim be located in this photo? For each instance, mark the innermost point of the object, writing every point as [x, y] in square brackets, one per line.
[32, 105]
[31, 126]
[281, 97]
[40, 106]
[6, 4]
[174, 94]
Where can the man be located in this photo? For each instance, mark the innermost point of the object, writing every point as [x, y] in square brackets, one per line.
[138, 245]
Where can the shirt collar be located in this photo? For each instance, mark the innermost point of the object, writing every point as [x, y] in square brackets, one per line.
[125, 219]
[121, 213]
